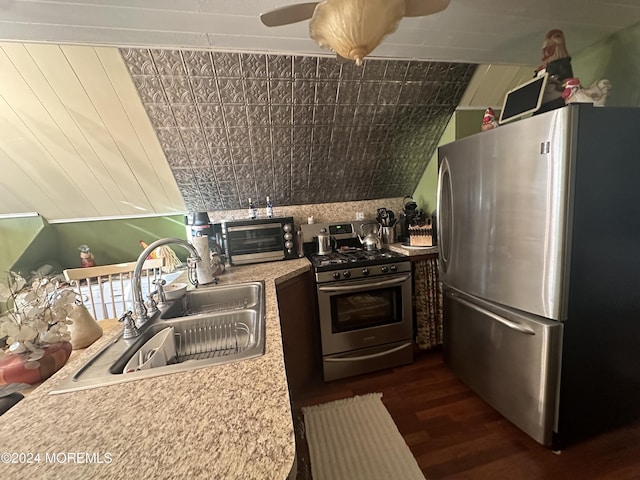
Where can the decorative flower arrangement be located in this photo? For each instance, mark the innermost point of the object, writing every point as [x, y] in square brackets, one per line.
[34, 316]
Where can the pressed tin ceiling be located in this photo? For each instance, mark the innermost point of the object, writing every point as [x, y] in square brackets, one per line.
[299, 129]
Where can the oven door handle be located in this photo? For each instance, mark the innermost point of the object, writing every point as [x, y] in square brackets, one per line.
[248, 228]
[354, 288]
[367, 357]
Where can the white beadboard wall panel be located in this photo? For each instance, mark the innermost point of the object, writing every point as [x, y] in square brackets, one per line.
[111, 114]
[76, 138]
[44, 130]
[490, 82]
[82, 108]
[97, 179]
[22, 194]
[28, 156]
[78, 34]
[108, 16]
[232, 7]
[468, 31]
[152, 156]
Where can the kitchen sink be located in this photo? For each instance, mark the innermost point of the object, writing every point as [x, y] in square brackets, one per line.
[208, 326]
[223, 298]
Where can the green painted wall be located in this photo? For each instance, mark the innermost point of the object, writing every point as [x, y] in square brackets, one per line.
[426, 191]
[111, 241]
[617, 59]
[43, 249]
[16, 234]
[115, 241]
[468, 122]
[462, 124]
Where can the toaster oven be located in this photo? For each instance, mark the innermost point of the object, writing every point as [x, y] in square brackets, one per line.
[261, 240]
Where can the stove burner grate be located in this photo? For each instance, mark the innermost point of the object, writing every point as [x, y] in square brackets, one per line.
[352, 257]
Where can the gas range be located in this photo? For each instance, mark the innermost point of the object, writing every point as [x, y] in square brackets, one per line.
[347, 263]
[364, 301]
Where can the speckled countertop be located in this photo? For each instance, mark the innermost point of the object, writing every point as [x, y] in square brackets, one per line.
[412, 251]
[222, 422]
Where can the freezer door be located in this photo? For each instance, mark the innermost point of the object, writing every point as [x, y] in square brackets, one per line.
[509, 360]
[503, 208]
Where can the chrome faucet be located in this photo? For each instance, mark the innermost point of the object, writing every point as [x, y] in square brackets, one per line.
[136, 281]
[130, 329]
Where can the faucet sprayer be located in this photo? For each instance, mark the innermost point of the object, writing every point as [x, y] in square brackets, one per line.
[136, 281]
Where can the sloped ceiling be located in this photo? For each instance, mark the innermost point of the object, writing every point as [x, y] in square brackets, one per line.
[75, 141]
[77, 146]
[299, 129]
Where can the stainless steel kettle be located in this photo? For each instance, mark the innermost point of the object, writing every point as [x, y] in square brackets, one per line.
[370, 239]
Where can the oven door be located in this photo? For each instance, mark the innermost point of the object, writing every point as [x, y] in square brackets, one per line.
[364, 313]
[261, 242]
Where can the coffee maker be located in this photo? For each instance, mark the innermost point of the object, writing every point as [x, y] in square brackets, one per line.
[198, 224]
[409, 215]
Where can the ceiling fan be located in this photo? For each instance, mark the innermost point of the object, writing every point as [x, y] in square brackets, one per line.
[351, 28]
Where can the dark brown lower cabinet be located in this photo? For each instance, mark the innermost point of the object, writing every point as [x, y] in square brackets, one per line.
[300, 331]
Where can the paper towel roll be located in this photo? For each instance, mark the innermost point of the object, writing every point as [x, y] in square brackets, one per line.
[203, 269]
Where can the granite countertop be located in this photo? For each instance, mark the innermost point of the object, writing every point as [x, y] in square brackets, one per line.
[412, 251]
[226, 421]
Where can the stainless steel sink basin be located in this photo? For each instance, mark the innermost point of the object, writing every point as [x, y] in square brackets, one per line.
[211, 326]
[223, 298]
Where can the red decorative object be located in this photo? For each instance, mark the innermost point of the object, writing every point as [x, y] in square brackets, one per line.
[554, 47]
[86, 257]
[13, 367]
[488, 120]
[596, 93]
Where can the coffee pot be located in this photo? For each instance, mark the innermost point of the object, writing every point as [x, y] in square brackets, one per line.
[409, 215]
[325, 242]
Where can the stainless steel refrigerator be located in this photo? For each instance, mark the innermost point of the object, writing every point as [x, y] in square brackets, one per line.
[539, 235]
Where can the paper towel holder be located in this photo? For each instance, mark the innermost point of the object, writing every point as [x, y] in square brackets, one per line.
[204, 270]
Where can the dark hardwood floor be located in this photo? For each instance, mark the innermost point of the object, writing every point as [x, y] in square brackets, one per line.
[453, 434]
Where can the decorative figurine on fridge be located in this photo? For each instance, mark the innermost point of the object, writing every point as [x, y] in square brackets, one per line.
[555, 58]
[596, 93]
[489, 120]
[86, 257]
[556, 63]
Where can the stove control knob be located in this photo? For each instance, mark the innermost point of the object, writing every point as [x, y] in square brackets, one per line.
[336, 275]
[288, 244]
[346, 274]
[287, 227]
[393, 268]
[288, 236]
[365, 271]
[384, 269]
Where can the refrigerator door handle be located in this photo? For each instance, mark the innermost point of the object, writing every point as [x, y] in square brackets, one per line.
[445, 214]
[508, 323]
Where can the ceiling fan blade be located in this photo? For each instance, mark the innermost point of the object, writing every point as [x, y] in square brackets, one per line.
[289, 14]
[419, 8]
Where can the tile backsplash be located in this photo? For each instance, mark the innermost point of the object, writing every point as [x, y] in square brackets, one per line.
[303, 130]
[321, 212]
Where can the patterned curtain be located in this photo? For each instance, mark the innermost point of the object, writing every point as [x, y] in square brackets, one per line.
[427, 298]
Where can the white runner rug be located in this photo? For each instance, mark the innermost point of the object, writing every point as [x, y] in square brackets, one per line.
[356, 438]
